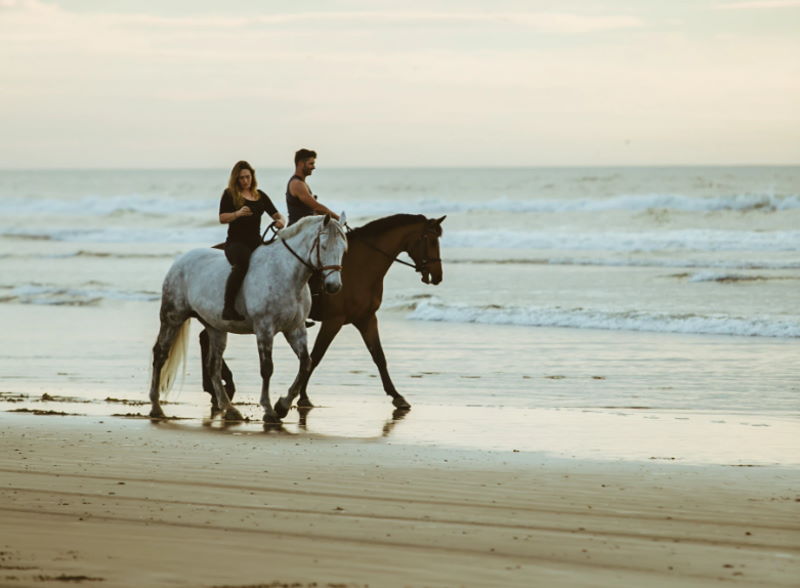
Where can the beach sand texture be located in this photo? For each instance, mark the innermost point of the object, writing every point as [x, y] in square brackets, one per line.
[123, 502]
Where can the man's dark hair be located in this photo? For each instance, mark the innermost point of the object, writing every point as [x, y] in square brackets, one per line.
[304, 154]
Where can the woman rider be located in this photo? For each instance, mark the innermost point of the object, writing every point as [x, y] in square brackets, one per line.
[241, 207]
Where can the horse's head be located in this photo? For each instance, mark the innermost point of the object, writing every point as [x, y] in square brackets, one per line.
[332, 242]
[423, 248]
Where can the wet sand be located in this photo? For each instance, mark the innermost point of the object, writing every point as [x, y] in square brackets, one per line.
[568, 393]
[109, 501]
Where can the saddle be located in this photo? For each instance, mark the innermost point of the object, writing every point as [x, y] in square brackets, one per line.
[314, 282]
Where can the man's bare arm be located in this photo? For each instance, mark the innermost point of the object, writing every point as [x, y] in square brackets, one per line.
[300, 190]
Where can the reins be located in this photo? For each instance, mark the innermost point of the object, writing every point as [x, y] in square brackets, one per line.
[274, 234]
[315, 246]
[417, 267]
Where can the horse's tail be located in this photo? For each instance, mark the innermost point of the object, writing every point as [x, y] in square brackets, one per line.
[175, 359]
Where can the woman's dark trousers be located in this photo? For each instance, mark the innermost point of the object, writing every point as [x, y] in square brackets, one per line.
[238, 255]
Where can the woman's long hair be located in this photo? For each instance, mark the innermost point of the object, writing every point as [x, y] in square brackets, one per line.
[233, 183]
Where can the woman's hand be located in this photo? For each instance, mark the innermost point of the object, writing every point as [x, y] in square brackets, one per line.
[229, 217]
[279, 221]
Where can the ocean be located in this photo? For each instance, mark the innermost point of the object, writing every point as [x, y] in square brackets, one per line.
[665, 288]
[685, 250]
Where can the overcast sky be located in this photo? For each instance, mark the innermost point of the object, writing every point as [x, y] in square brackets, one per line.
[141, 83]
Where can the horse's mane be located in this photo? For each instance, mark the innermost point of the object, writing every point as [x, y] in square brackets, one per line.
[292, 230]
[387, 223]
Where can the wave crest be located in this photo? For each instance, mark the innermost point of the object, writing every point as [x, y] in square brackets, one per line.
[581, 318]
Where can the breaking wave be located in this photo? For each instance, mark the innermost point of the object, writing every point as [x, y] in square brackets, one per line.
[166, 205]
[88, 295]
[669, 240]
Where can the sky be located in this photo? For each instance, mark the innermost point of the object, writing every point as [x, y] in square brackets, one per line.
[195, 83]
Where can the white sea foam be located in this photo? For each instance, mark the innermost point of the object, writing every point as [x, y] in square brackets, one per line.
[166, 205]
[52, 295]
[106, 205]
[632, 203]
[580, 318]
[615, 241]
[739, 264]
[170, 252]
[713, 276]
[209, 235]
[667, 240]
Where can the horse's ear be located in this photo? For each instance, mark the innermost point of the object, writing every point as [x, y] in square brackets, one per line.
[439, 220]
[327, 220]
[343, 219]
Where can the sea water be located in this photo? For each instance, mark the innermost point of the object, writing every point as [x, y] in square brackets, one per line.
[625, 273]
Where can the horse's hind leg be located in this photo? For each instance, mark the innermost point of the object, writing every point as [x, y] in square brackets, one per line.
[227, 376]
[369, 332]
[216, 346]
[167, 334]
[298, 341]
[327, 332]
[227, 379]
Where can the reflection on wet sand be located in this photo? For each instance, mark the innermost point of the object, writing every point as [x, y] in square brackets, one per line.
[398, 414]
[300, 427]
[303, 411]
[602, 434]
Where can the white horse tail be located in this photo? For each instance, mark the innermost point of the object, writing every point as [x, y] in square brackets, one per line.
[175, 358]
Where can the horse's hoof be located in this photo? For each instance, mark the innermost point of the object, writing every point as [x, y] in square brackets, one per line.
[157, 413]
[282, 408]
[271, 419]
[304, 403]
[400, 402]
[233, 415]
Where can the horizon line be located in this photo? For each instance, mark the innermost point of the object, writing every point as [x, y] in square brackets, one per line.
[409, 167]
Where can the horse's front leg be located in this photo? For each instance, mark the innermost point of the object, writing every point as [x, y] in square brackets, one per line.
[369, 332]
[328, 331]
[264, 338]
[216, 347]
[298, 341]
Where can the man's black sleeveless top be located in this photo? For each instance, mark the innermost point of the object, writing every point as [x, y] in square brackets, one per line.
[296, 208]
[247, 229]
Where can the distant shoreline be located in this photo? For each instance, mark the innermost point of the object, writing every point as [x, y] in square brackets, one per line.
[353, 168]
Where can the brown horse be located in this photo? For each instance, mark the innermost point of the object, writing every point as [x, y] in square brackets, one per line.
[371, 251]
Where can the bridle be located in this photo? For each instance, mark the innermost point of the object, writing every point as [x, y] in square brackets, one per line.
[426, 234]
[418, 267]
[315, 246]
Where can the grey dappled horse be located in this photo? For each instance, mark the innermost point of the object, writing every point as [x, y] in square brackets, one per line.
[274, 298]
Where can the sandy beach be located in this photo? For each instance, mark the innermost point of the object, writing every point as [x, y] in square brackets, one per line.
[126, 502]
